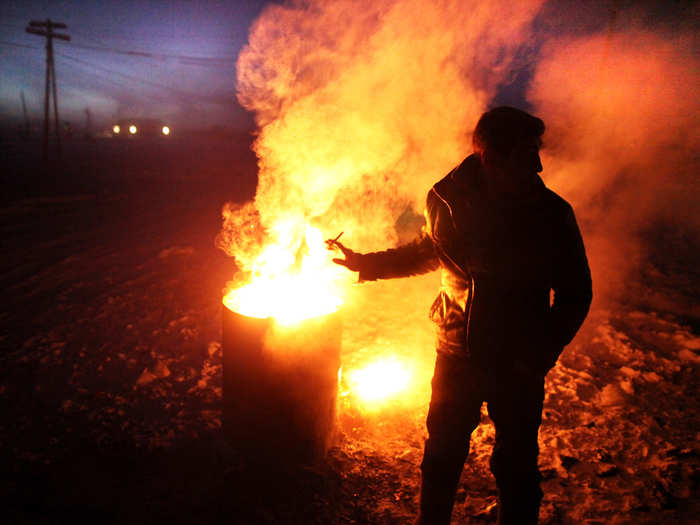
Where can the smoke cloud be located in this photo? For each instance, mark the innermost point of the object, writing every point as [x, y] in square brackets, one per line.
[362, 106]
[623, 120]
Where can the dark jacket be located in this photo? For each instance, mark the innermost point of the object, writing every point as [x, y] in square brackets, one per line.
[500, 262]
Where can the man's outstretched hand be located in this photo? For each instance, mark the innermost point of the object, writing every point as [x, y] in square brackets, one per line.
[352, 259]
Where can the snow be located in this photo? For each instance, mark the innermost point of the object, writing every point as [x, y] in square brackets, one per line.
[111, 382]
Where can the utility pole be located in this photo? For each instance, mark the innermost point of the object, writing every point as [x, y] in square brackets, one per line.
[45, 29]
[26, 116]
[88, 124]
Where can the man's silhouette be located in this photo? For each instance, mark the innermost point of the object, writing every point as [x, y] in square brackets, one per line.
[504, 242]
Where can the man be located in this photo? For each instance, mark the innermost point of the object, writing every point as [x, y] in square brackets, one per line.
[504, 242]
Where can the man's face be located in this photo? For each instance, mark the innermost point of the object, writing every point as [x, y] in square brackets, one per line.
[517, 171]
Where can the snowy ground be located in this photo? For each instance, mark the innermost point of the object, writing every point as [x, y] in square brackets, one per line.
[110, 372]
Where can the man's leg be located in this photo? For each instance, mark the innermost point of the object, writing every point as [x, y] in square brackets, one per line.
[454, 413]
[516, 410]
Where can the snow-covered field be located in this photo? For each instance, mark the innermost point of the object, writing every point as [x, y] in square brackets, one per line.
[110, 372]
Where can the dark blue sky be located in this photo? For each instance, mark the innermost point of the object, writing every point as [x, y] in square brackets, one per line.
[93, 71]
[96, 71]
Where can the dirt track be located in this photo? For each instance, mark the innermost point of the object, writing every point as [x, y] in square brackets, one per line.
[111, 372]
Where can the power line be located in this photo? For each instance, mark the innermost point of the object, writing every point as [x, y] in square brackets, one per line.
[101, 78]
[115, 72]
[210, 99]
[118, 37]
[131, 36]
[13, 26]
[194, 60]
[104, 48]
[92, 39]
[118, 85]
[105, 80]
[180, 93]
[124, 35]
[108, 80]
[184, 60]
[17, 44]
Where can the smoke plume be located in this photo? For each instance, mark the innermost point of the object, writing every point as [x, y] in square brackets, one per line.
[362, 106]
[623, 120]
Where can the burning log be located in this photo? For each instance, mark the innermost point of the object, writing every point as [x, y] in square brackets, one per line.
[280, 386]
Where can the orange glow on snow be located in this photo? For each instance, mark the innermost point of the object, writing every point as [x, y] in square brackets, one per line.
[380, 381]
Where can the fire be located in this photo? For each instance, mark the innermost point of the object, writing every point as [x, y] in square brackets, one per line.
[290, 281]
[380, 381]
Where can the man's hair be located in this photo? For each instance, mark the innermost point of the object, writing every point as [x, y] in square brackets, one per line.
[501, 128]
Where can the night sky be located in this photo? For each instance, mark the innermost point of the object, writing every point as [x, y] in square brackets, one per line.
[187, 77]
[175, 60]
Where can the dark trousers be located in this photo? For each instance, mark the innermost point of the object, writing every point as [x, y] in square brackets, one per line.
[514, 402]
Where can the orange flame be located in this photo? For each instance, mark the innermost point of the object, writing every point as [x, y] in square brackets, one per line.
[290, 284]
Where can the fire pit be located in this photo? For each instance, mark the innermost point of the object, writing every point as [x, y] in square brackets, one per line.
[280, 386]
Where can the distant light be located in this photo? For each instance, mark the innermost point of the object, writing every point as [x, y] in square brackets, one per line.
[166, 130]
[116, 129]
[132, 129]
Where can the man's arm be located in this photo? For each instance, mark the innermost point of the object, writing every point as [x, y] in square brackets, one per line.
[572, 286]
[413, 258]
[409, 259]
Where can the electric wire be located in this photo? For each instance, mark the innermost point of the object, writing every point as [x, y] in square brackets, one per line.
[129, 38]
[178, 92]
[113, 86]
[96, 74]
[188, 59]
[183, 59]
[124, 75]
[104, 75]
[17, 44]
[94, 66]
[13, 26]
